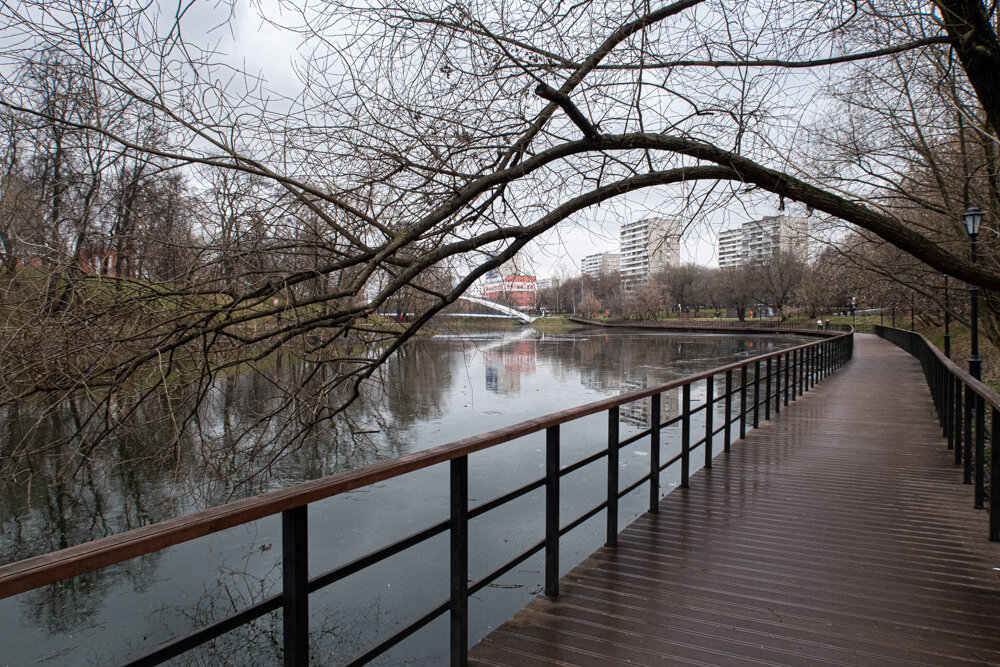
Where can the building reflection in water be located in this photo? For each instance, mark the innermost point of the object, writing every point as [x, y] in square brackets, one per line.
[505, 365]
[618, 364]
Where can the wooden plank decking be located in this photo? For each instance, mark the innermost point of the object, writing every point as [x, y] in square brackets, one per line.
[839, 533]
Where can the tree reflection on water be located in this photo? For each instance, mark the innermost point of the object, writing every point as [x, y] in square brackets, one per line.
[254, 431]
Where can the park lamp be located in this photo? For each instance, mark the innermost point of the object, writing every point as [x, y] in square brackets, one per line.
[973, 218]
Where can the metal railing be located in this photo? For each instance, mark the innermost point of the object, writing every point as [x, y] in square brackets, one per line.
[751, 390]
[969, 414]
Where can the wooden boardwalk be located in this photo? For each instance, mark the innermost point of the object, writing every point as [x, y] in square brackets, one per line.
[838, 533]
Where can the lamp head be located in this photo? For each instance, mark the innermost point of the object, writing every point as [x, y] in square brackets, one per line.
[973, 218]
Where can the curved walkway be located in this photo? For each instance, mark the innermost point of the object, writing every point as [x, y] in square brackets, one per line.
[838, 533]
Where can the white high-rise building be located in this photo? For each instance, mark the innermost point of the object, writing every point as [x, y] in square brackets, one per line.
[760, 239]
[648, 247]
[731, 247]
[600, 264]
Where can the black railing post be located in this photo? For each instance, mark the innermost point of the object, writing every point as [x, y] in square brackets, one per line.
[777, 385]
[767, 392]
[939, 371]
[727, 437]
[980, 473]
[948, 409]
[802, 372]
[295, 586]
[995, 475]
[459, 526]
[756, 393]
[795, 374]
[654, 453]
[612, 536]
[743, 401]
[788, 364]
[552, 511]
[685, 435]
[709, 419]
[957, 420]
[967, 454]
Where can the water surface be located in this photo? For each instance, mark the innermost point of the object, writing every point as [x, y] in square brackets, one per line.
[434, 391]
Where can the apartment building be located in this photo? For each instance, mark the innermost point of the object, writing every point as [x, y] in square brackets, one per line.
[601, 264]
[759, 239]
[648, 247]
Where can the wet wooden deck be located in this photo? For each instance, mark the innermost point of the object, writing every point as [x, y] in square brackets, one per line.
[838, 533]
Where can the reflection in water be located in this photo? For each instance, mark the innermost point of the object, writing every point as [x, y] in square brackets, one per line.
[159, 466]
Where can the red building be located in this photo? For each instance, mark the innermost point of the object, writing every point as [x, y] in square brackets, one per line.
[516, 291]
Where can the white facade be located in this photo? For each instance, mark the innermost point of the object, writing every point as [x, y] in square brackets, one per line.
[731, 247]
[648, 247]
[600, 264]
[760, 239]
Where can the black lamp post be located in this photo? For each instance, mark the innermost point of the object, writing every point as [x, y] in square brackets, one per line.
[947, 320]
[973, 218]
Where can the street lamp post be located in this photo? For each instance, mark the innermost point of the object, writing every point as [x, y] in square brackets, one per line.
[947, 320]
[973, 218]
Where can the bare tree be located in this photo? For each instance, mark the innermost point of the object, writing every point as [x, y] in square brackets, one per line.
[437, 139]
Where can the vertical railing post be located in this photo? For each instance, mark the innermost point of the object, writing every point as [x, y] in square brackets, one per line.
[685, 435]
[459, 526]
[552, 511]
[795, 372]
[967, 454]
[654, 453]
[980, 472]
[756, 393]
[788, 364]
[995, 475]
[767, 392]
[727, 437]
[612, 533]
[948, 409]
[957, 418]
[802, 372]
[933, 381]
[743, 401]
[295, 586]
[709, 419]
[777, 385]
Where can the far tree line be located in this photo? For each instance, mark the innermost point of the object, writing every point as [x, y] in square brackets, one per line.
[857, 274]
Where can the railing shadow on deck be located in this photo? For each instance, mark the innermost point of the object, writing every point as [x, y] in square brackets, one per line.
[752, 389]
[961, 402]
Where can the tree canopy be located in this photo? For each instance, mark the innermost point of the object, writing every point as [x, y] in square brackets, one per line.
[169, 215]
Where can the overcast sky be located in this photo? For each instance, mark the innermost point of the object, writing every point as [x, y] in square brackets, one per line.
[257, 46]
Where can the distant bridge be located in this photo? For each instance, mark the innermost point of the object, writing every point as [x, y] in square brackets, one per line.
[506, 310]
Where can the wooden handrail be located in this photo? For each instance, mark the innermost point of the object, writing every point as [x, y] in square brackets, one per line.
[30, 573]
[991, 397]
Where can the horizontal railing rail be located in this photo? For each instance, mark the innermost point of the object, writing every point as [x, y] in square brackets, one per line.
[761, 385]
[962, 403]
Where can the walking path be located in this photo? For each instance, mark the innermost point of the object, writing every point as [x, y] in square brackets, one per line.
[837, 533]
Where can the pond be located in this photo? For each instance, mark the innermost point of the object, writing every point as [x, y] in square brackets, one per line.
[433, 391]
